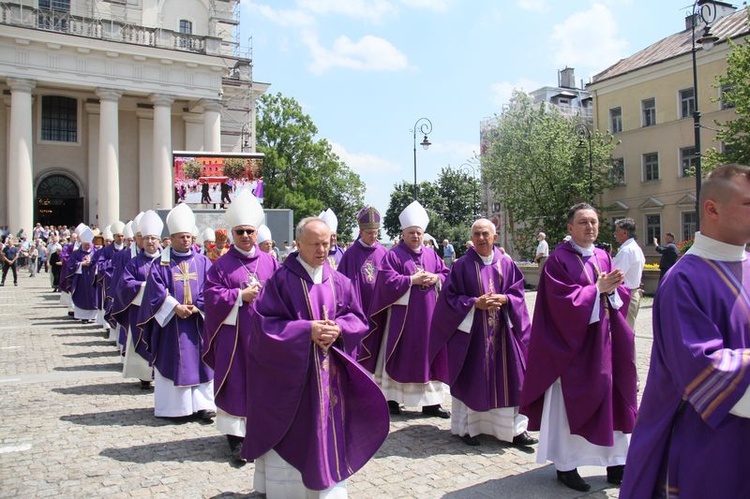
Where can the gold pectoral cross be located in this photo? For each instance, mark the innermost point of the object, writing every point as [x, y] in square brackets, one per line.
[185, 276]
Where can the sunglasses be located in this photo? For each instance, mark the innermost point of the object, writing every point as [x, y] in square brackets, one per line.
[242, 232]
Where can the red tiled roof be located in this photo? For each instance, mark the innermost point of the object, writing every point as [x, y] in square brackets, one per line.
[728, 27]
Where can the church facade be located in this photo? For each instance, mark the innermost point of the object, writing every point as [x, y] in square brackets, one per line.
[98, 93]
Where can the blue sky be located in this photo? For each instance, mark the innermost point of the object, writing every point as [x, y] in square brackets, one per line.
[367, 70]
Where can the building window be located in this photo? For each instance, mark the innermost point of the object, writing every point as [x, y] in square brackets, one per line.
[689, 224]
[687, 161]
[615, 119]
[59, 119]
[618, 171]
[56, 5]
[687, 103]
[186, 27]
[649, 112]
[651, 166]
[653, 229]
[726, 103]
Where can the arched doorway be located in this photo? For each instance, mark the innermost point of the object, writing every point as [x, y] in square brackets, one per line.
[58, 201]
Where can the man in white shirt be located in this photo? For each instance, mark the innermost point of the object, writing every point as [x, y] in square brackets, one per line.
[630, 260]
[542, 249]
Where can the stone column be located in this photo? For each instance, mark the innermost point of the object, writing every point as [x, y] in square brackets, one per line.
[145, 157]
[162, 158]
[212, 125]
[109, 157]
[20, 188]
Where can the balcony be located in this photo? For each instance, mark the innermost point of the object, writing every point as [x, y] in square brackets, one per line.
[16, 14]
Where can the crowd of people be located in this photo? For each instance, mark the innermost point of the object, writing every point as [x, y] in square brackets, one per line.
[302, 362]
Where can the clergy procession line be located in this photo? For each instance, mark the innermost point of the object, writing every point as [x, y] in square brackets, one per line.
[300, 363]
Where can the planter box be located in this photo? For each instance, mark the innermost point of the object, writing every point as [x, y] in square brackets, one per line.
[649, 280]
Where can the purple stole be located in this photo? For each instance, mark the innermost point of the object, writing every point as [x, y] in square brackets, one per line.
[129, 283]
[82, 285]
[335, 254]
[361, 265]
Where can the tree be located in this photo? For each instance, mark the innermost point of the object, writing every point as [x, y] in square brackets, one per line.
[301, 173]
[735, 93]
[234, 168]
[192, 169]
[538, 165]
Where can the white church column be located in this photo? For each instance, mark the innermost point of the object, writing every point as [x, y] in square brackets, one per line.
[108, 187]
[212, 125]
[162, 158]
[20, 188]
[145, 157]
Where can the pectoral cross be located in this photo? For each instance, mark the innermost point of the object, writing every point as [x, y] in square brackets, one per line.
[492, 312]
[369, 270]
[185, 276]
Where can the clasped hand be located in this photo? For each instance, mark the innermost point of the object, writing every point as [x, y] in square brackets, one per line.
[424, 278]
[608, 282]
[185, 311]
[491, 301]
[323, 333]
[249, 293]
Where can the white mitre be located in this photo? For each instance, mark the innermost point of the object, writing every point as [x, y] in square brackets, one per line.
[117, 228]
[414, 215]
[329, 217]
[208, 234]
[137, 223]
[127, 232]
[181, 219]
[86, 235]
[264, 234]
[80, 227]
[151, 224]
[245, 210]
[107, 233]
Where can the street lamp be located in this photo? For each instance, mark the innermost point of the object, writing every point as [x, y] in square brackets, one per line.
[245, 137]
[425, 128]
[471, 171]
[585, 133]
[705, 11]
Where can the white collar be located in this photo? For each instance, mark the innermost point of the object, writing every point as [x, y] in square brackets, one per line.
[712, 249]
[315, 273]
[187, 253]
[245, 253]
[365, 244]
[584, 251]
[118, 247]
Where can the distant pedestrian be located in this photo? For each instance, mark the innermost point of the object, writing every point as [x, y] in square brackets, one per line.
[542, 249]
[669, 254]
[449, 253]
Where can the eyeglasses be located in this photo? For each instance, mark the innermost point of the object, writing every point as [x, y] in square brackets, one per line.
[242, 232]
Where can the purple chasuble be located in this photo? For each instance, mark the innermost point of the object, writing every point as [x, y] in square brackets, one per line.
[595, 362]
[700, 367]
[65, 277]
[176, 347]
[82, 285]
[361, 265]
[335, 254]
[407, 350]
[119, 260]
[129, 283]
[105, 270]
[225, 347]
[485, 366]
[319, 410]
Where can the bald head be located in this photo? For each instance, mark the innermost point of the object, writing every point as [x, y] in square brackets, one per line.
[725, 204]
[483, 236]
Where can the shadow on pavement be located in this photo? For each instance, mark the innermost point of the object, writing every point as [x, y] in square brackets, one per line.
[423, 441]
[92, 333]
[236, 495]
[92, 367]
[100, 343]
[126, 387]
[92, 355]
[143, 416]
[201, 449]
[540, 482]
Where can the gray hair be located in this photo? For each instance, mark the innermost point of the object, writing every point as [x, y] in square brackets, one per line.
[626, 224]
[302, 225]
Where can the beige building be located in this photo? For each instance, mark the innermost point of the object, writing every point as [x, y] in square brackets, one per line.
[647, 101]
[98, 93]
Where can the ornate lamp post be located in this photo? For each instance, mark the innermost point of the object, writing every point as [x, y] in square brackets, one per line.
[472, 172]
[425, 128]
[705, 12]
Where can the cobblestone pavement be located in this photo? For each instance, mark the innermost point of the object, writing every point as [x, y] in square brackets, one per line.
[72, 427]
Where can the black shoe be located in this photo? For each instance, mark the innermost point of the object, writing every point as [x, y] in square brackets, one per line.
[435, 411]
[15, 284]
[394, 408]
[145, 385]
[524, 440]
[235, 446]
[206, 416]
[614, 474]
[469, 440]
[88, 321]
[573, 480]
[2, 284]
[71, 314]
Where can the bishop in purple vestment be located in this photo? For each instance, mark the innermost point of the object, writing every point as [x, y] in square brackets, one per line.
[692, 436]
[171, 320]
[481, 321]
[311, 407]
[82, 270]
[580, 385]
[362, 261]
[232, 284]
[396, 349]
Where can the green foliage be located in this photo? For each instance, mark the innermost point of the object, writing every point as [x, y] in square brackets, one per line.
[301, 173]
[234, 168]
[538, 165]
[192, 169]
[734, 133]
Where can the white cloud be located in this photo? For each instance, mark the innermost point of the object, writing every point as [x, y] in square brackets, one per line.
[283, 17]
[534, 5]
[436, 5]
[502, 91]
[363, 163]
[373, 10]
[462, 152]
[369, 53]
[588, 40]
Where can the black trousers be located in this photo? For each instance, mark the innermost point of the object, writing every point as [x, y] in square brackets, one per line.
[7, 266]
